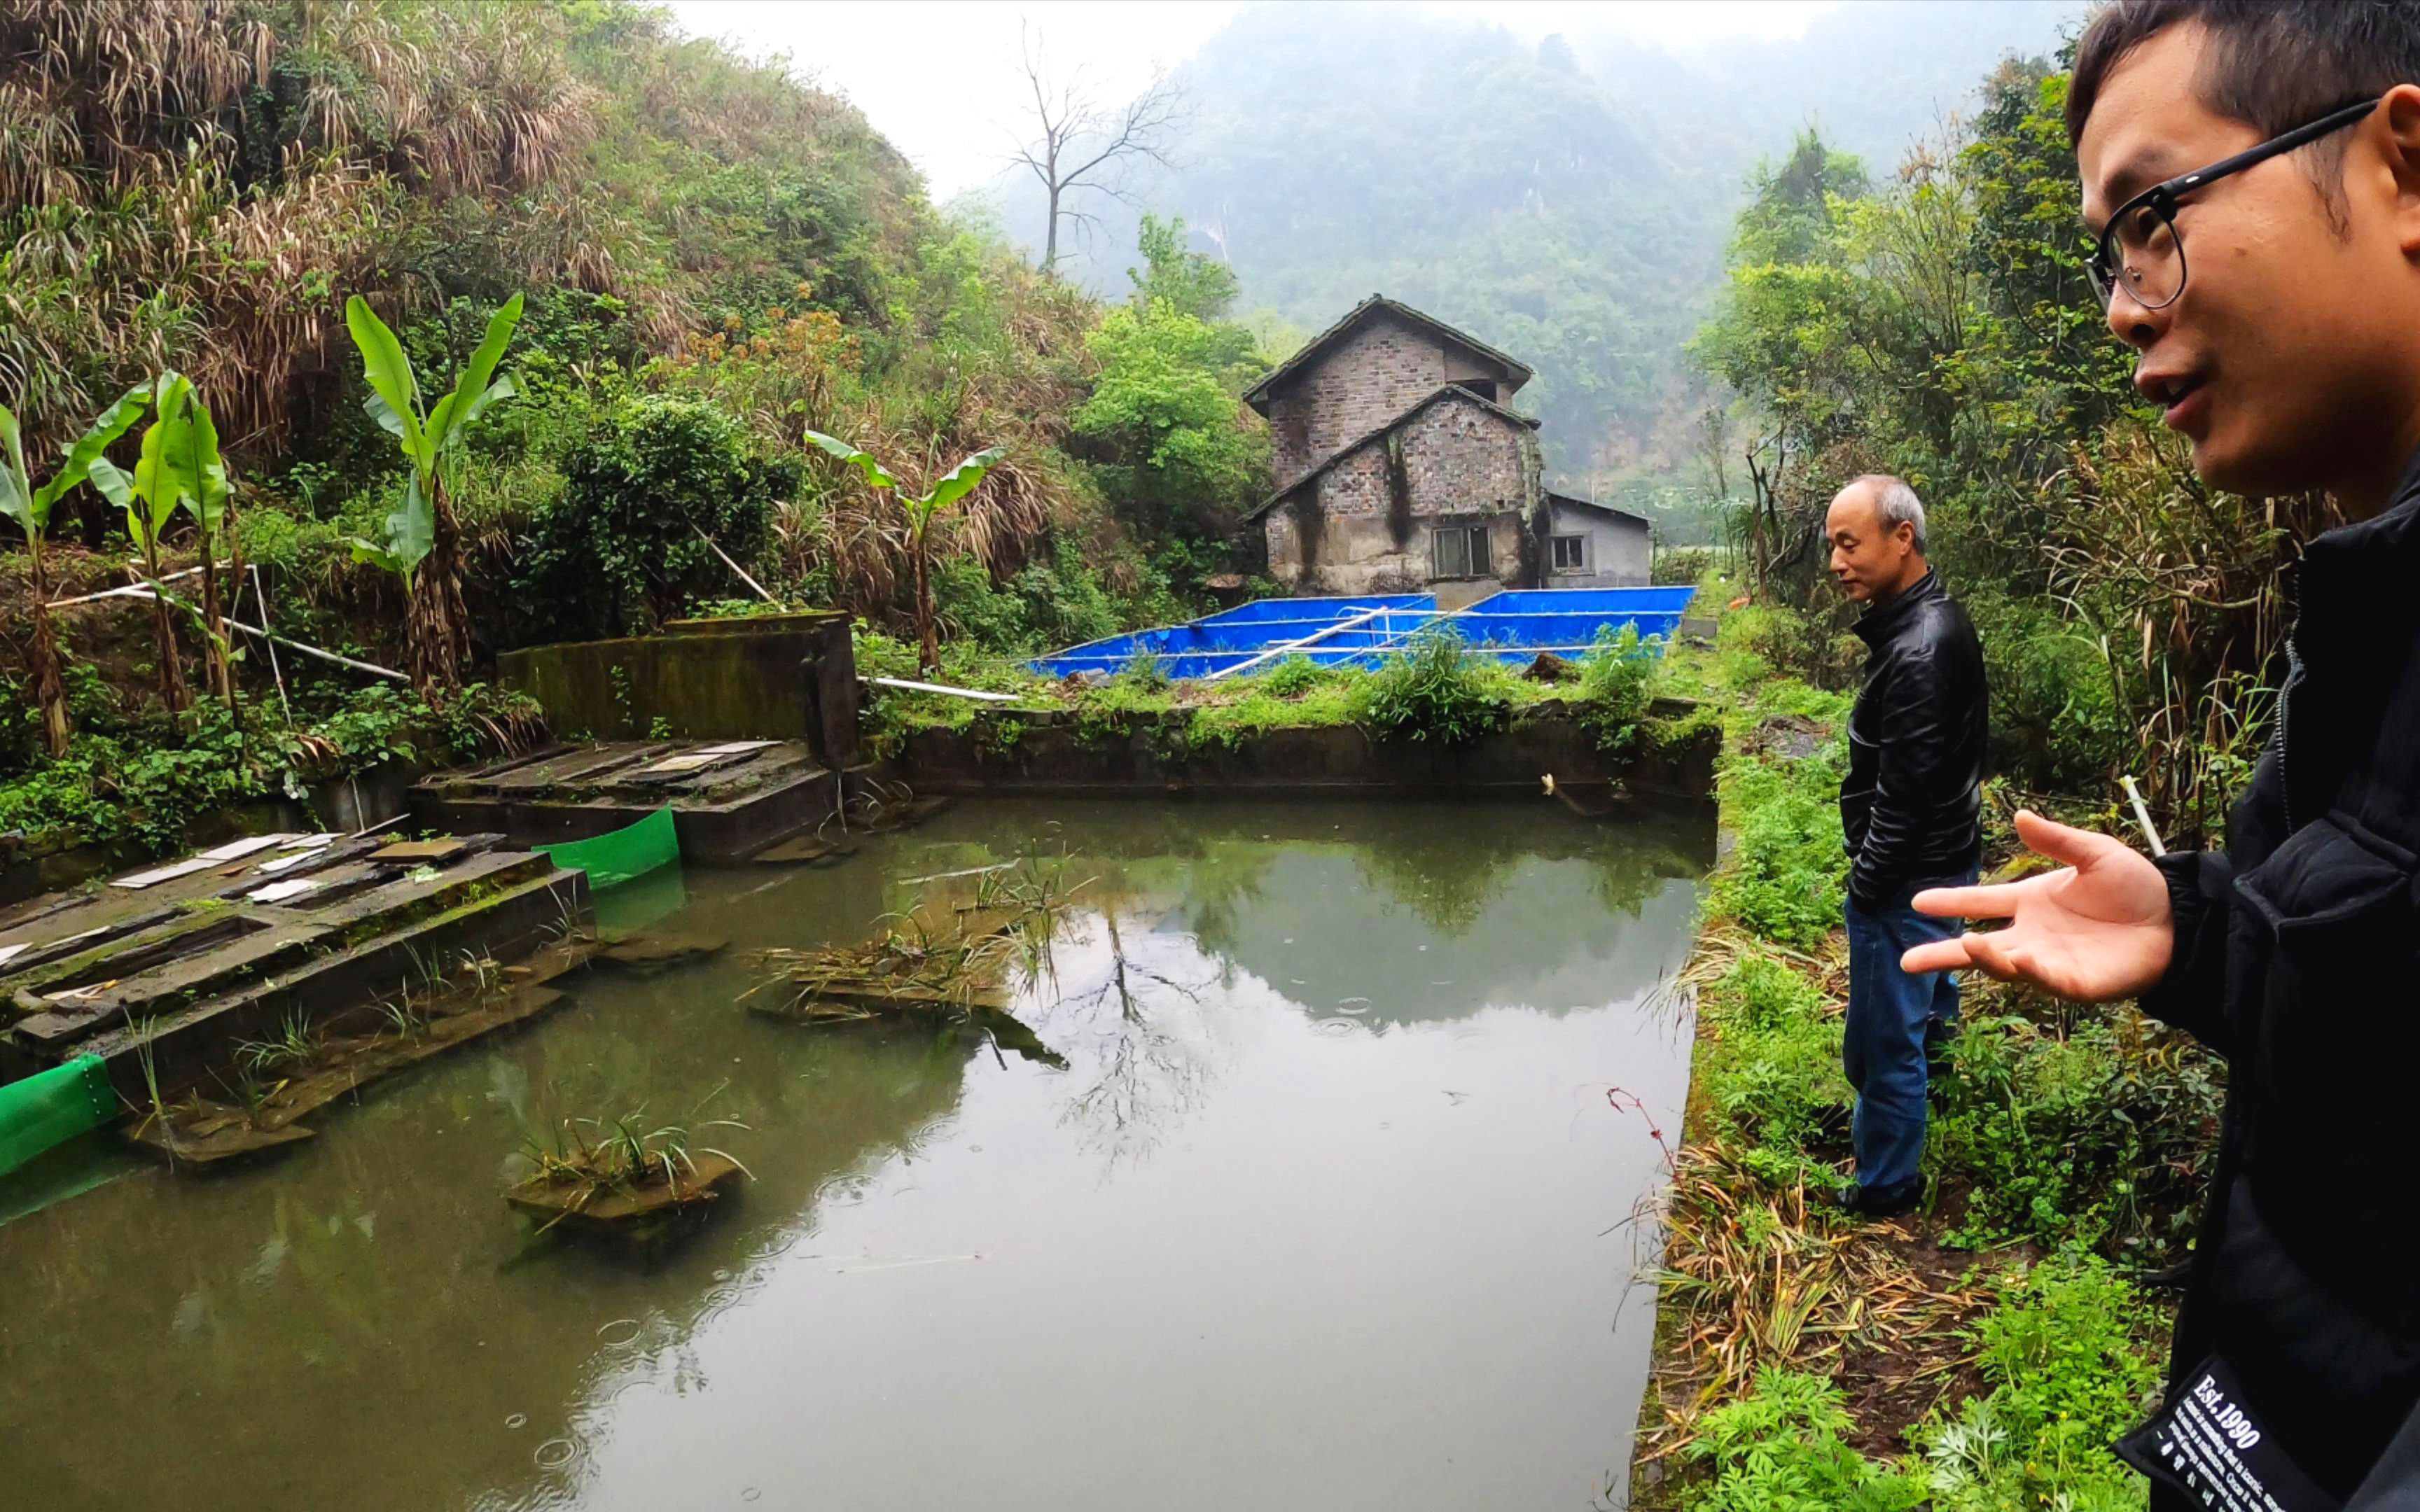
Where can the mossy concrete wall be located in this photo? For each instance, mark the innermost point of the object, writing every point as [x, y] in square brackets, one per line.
[1052, 752]
[771, 677]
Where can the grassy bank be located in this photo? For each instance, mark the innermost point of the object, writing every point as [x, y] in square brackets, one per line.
[1981, 1353]
[1438, 689]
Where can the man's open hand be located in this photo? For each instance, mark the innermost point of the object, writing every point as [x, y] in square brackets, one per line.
[2095, 930]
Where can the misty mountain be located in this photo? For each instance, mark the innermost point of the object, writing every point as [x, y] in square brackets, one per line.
[1567, 199]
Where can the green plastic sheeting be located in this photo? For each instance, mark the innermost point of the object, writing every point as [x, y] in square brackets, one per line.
[633, 851]
[52, 1107]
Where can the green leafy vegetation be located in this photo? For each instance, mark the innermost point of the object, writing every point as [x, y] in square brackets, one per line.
[1935, 323]
[149, 778]
[29, 504]
[2085, 1132]
[649, 493]
[1618, 685]
[421, 540]
[344, 229]
[2062, 1350]
[1437, 688]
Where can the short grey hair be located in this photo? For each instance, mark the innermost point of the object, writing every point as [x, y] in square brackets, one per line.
[1895, 503]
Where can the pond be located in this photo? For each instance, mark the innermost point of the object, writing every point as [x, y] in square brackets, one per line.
[1325, 1208]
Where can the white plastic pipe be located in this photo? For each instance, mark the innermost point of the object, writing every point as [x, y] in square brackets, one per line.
[937, 688]
[1313, 638]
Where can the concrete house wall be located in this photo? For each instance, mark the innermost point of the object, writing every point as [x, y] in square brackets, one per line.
[1615, 547]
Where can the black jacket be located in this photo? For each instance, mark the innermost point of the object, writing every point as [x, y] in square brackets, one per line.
[1909, 805]
[2298, 958]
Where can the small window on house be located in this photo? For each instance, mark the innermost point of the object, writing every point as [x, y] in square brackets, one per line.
[1461, 552]
[1571, 553]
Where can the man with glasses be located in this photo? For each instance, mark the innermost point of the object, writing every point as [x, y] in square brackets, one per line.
[2253, 167]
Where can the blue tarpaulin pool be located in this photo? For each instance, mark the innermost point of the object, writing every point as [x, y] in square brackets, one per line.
[1516, 624]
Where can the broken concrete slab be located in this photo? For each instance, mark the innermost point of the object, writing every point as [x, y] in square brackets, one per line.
[163, 983]
[729, 799]
[656, 950]
[806, 850]
[199, 1134]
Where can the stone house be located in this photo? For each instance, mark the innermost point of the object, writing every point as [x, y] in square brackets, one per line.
[1399, 469]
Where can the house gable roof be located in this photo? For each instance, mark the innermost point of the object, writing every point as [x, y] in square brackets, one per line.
[1515, 371]
[1575, 502]
[1379, 433]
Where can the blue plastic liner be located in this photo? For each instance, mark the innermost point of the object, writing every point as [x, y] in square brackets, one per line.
[1515, 624]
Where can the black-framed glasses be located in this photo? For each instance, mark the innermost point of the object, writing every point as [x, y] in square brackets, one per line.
[2140, 251]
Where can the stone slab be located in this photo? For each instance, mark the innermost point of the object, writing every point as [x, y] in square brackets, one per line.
[729, 799]
[192, 966]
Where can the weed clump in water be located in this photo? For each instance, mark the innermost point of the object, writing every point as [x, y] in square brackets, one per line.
[960, 962]
[618, 1175]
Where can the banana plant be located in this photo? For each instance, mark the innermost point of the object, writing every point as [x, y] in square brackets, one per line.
[167, 472]
[420, 545]
[202, 485]
[918, 511]
[30, 506]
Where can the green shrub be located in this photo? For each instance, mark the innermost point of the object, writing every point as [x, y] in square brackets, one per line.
[1144, 673]
[1617, 684]
[737, 609]
[1787, 878]
[1779, 1449]
[1762, 640]
[972, 609]
[2057, 725]
[275, 540]
[1771, 1067]
[149, 778]
[1437, 688]
[1321, 696]
[619, 548]
[1292, 677]
[2069, 1352]
[1114, 709]
[2072, 1135]
[1681, 564]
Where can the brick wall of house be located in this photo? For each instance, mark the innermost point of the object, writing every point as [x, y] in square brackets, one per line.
[1463, 463]
[1372, 376]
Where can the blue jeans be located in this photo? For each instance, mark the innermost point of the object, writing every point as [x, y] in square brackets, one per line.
[1889, 1011]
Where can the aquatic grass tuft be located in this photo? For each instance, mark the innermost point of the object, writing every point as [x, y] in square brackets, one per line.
[586, 1158]
[294, 1046]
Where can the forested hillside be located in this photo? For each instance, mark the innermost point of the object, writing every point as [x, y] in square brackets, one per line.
[710, 260]
[1569, 201]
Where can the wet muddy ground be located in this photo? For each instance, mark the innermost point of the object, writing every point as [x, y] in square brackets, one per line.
[1316, 1213]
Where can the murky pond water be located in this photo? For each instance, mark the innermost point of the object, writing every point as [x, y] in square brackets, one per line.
[1316, 1216]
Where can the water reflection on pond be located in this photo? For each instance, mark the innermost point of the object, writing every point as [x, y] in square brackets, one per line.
[1312, 1217]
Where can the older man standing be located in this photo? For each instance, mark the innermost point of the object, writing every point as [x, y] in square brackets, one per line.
[1909, 809]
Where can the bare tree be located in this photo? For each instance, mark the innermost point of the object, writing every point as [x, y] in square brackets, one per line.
[1086, 144]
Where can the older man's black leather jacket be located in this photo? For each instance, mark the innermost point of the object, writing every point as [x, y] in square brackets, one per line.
[1911, 803]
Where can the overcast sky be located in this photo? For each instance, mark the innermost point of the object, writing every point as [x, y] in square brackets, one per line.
[937, 77]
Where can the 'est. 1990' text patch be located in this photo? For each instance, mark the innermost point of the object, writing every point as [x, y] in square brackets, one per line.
[2207, 1443]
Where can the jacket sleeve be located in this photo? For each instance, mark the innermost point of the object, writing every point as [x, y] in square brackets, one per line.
[2392, 1484]
[1911, 739]
[2192, 995]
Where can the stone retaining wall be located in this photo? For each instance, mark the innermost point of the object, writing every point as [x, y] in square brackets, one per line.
[1050, 753]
